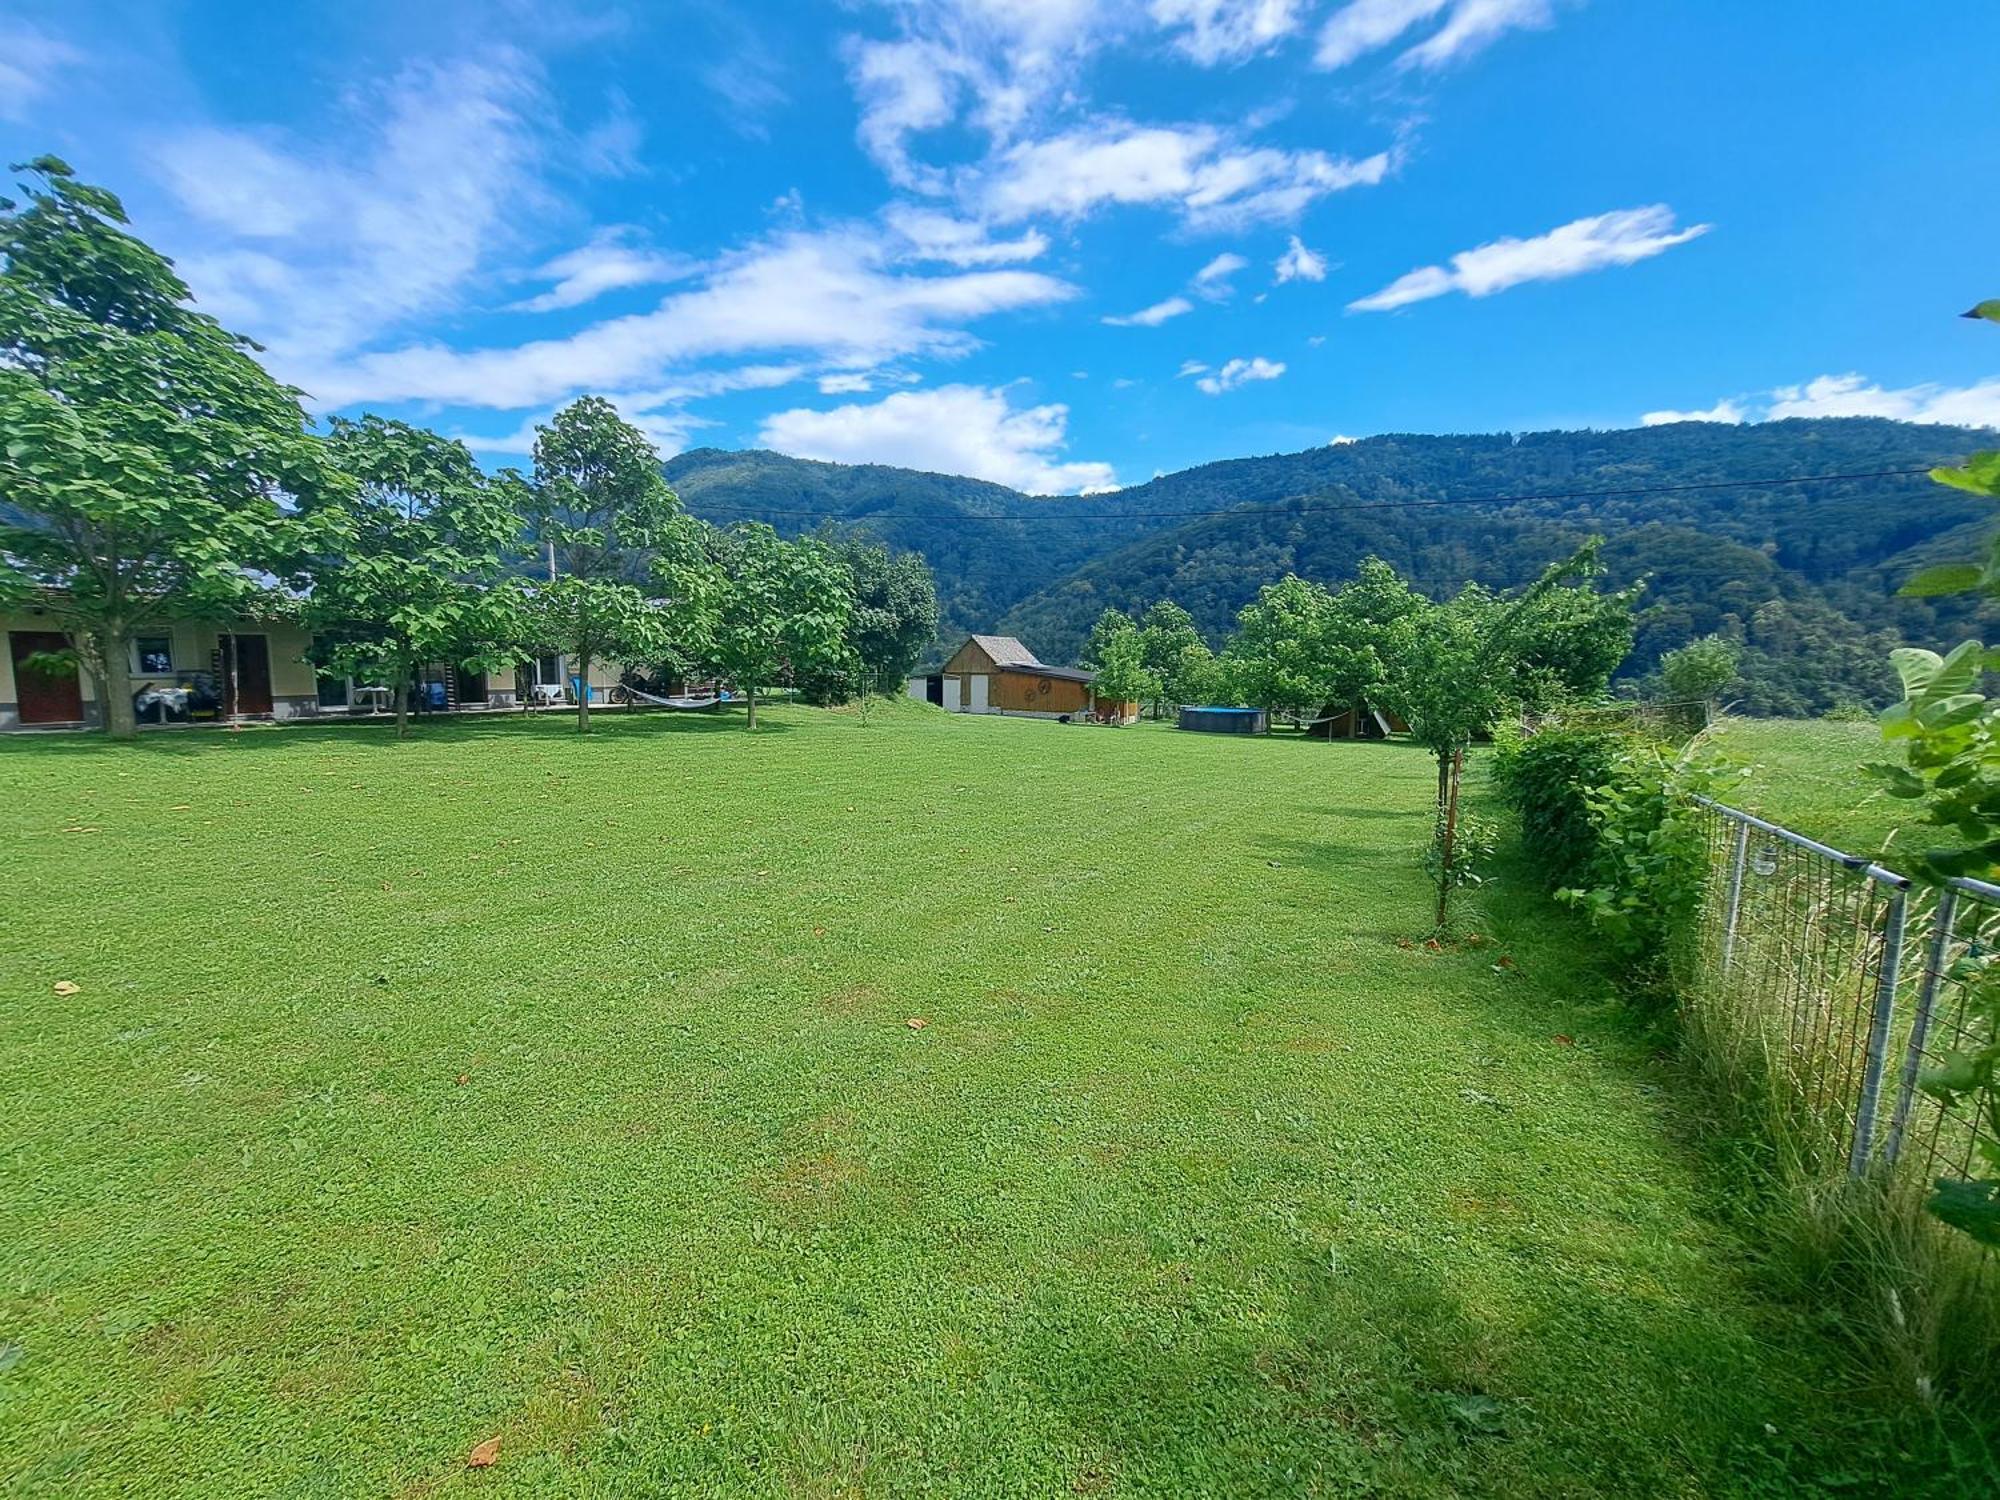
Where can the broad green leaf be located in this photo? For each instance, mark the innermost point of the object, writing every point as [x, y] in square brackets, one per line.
[1971, 1206]
[1945, 578]
[1989, 310]
[1915, 666]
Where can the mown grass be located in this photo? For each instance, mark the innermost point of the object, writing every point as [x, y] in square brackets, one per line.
[510, 1083]
[1806, 774]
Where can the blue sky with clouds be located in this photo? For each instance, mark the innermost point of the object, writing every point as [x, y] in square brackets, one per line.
[1062, 244]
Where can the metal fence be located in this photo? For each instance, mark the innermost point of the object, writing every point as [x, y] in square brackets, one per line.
[1846, 982]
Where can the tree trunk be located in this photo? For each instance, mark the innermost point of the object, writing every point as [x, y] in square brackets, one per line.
[114, 685]
[401, 689]
[750, 697]
[583, 692]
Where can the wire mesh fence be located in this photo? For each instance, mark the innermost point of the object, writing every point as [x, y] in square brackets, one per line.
[1841, 984]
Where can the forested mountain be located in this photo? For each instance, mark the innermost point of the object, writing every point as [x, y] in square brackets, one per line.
[1803, 574]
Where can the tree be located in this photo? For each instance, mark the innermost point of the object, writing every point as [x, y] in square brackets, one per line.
[758, 608]
[1458, 665]
[1282, 657]
[1176, 656]
[406, 555]
[1358, 634]
[1120, 651]
[146, 453]
[895, 618]
[598, 506]
[1700, 670]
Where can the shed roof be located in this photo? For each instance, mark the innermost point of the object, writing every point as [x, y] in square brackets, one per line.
[1042, 669]
[1005, 651]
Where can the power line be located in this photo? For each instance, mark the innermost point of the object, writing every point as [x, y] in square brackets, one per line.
[1280, 506]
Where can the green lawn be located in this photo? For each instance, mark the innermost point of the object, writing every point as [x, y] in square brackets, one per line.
[507, 1083]
[1806, 774]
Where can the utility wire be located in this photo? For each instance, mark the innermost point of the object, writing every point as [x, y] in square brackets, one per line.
[1290, 503]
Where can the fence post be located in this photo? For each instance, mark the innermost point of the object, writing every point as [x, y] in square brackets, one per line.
[1738, 859]
[1878, 1032]
[1943, 919]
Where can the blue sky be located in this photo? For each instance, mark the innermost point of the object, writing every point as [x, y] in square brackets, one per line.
[1062, 244]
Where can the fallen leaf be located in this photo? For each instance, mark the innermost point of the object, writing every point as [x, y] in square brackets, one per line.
[483, 1456]
[1562, 1039]
[464, 1078]
[819, 932]
[916, 1023]
[1505, 961]
[67, 987]
[181, 807]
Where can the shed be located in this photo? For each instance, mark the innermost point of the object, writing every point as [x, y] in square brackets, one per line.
[996, 674]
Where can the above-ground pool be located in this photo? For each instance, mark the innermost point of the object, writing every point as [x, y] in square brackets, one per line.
[1211, 720]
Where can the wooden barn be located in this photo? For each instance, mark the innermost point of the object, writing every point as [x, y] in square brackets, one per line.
[996, 674]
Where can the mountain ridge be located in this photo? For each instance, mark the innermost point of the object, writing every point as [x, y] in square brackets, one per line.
[1720, 517]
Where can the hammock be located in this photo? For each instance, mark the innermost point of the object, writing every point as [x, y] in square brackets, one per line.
[679, 702]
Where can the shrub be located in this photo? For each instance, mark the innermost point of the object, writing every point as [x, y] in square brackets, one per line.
[1646, 873]
[1546, 778]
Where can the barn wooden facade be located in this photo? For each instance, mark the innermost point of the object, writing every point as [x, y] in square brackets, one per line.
[996, 674]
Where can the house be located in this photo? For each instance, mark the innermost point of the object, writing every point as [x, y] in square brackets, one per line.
[996, 674]
[1337, 721]
[244, 669]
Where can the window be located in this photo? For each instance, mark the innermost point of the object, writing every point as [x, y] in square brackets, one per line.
[154, 655]
[333, 691]
[548, 671]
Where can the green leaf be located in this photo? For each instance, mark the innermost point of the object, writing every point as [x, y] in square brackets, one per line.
[1972, 1206]
[1915, 666]
[1989, 310]
[1900, 780]
[1978, 475]
[1945, 578]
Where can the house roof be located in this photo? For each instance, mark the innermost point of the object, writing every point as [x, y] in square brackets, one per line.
[1006, 651]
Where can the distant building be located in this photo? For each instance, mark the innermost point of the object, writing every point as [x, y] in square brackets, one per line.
[996, 674]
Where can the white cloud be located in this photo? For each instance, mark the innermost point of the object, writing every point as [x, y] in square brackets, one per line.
[932, 235]
[1240, 372]
[608, 263]
[850, 384]
[1614, 239]
[30, 62]
[659, 412]
[1154, 316]
[1299, 264]
[833, 296]
[996, 62]
[1853, 395]
[1976, 405]
[1213, 180]
[1723, 411]
[1341, 440]
[315, 249]
[1218, 31]
[1475, 25]
[1190, 367]
[1364, 26]
[1213, 281]
[955, 429]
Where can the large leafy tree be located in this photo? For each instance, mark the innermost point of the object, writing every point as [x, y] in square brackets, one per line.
[1283, 657]
[1182, 666]
[406, 557]
[146, 458]
[1118, 649]
[894, 619]
[759, 609]
[598, 506]
[1358, 635]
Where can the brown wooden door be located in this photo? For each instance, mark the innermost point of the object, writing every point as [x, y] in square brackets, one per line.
[246, 674]
[45, 697]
